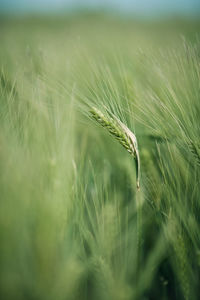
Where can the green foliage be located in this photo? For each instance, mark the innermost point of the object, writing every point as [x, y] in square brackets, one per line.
[72, 224]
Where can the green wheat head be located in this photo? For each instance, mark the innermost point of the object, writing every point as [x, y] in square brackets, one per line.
[195, 150]
[121, 133]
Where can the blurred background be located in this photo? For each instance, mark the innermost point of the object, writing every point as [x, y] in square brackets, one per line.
[143, 8]
[72, 225]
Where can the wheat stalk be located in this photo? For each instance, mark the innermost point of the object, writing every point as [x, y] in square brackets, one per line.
[122, 133]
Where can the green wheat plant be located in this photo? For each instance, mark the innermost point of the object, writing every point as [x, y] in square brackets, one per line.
[122, 134]
[72, 225]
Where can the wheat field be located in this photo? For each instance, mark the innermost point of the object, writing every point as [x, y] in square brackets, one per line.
[73, 225]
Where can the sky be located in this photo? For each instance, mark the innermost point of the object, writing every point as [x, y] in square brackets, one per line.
[137, 7]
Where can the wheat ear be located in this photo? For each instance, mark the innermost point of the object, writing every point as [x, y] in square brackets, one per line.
[122, 133]
[195, 150]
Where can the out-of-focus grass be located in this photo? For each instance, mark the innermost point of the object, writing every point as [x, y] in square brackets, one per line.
[72, 225]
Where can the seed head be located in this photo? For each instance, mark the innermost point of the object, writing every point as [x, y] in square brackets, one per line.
[120, 132]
